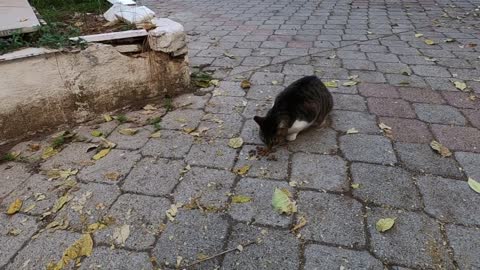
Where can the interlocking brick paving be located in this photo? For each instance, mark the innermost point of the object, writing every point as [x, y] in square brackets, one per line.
[174, 195]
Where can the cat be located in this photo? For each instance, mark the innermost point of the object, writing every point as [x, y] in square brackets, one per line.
[297, 107]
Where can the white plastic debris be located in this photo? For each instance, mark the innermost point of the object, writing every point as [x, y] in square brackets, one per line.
[129, 14]
[168, 36]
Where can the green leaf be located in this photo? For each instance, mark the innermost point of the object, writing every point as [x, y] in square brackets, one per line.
[429, 42]
[282, 203]
[241, 199]
[96, 133]
[350, 83]
[474, 185]
[384, 224]
[331, 84]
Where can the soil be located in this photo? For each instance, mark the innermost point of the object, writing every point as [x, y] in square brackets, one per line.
[90, 24]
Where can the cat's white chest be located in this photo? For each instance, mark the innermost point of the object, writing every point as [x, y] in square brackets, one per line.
[298, 126]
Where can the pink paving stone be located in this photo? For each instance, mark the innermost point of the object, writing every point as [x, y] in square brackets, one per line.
[461, 100]
[424, 95]
[458, 138]
[473, 116]
[300, 44]
[390, 107]
[408, 130]
[378, 90]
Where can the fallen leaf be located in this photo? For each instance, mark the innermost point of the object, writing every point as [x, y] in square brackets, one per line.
[49, 152]
[172, 212]
[470, 45]
[430, 59]
[179, 261]
[215, 82]
[33, 147]
[384, 224]
[474, 185]
[82, 247]
[188, 130]
[156, 134]
[96, 133]
[29, 208]
[274, 82]
[293, 183]
[58, 225]
[382, 126]
[245, 84]
[418, 35]
[460, 85]
[64, 174]
[149, 107]
[181, 120]
[350, 83]
[243, 170]
[14, 207]
[231, 56]
[352, 131]
[235, 142]
[60, 203]
[128, 131]
[107, 117]
[14, 232]
[282, 203]
[112, 176]
[240, 248]
[442, 150]
[429, 42]
[353, 77]
[101, 154]
[331, 84]
[301, 222]
[121, 234]
[95, 227]
[355, 186]
[449, 40]
[39, 196]
[241, 199]
[406, 72]
[106, 143]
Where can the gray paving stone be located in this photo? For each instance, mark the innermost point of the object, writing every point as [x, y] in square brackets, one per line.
[261, 92]
[421, 158]
[449, 200]
[47, 248]
[143, 215]
[277, 250]
[215, 154]
[324, 257]
[358, 64]
[250, 132]
[193, 234]
[465, 243]
[361, 121]
[375, 181]
[439, 114]
[228, 88]
[274, 166]
[259, 210]
[191, 101]
[152, 176]
[349, 102]
[129, 142]
[171, 144]
[316, 139]
[397, 68]
[414, 240]
[383, 57]
[104, 257]
[327, 73]
[292, 69]
[319, 171]
[367, 148]
[221, 125]
[256, 61]
[222, 104]
[25, 225]
[370, 76]
[117, 161]
[257, 107]
[85, 132]
[390, 107]
[71, 157]
[405, 80]
[209, 187]
[13, 174]
[180, 119]
[332, 219]
[470, 163]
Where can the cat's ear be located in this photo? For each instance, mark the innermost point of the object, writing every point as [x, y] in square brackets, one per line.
[259, 120]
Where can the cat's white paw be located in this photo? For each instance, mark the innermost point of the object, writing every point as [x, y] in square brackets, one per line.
[292, 137]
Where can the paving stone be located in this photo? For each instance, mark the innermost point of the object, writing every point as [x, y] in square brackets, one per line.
[344, 54]
[259, 210]
[116, 259]
[423, 95]
[390, 107]
[473, 116]
[261, 92]
[421, 158]
[367, 148]
[216, 154]
[256, 61]
[226, 88]
[181, 119]
[201, 61]
[349, 102]
[222, 104]
[129, 142]
[449, 200]
[25, 225]
[461, 100]
[117, 161]
[316, 139]
[333, 219]
[358, 64]
[257, 107]
[277, 250]
[376, 181]
[191, 101]
[274, 166]
[378, 90]
[193, 233]
[318, 257]
[26, 151]
[465, 243]
[209, 187]
[72, 156]
[292, 69]
[370, 76]
[319, 171]
[383, 57]
[136, 212]
[89, 203]
[85, 132]
[458, 138]
[327, 73]
[431, 71]
[363, 122]
[404, 80]
[414, 241]
[13, 174]
[470, 163]
[250, 132]
[407, 130]
[171, 144]
[153, 177]
[465, 74]
[274, 44]
[221, 125]
[440, 114]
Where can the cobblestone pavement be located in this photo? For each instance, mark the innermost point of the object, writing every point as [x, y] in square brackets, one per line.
[343, 183]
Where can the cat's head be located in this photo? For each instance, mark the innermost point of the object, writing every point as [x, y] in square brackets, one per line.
[272, 131]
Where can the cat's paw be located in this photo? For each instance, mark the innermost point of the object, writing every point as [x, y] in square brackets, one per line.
[292, 137]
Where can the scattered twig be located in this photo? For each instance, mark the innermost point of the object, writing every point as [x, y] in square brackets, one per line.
[184, 105]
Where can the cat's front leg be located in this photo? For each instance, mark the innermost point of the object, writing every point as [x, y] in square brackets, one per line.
[292, 137]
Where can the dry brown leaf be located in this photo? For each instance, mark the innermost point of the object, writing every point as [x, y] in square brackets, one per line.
[14, 207]
[121, 234]
[112, 176]
[302, 221]
[245, 84]
[242, 171]
[442, 150]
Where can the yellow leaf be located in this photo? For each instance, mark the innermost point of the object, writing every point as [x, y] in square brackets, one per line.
[382, 126]
[101, 154]
[429, 42]
[331, 84]
[355, 186]
[113, 176]
[121, 234]
[82, 247]
[302, 221]
[282, 203]
[241, 199]
[352, 131]
[188, 130]
[96, 133]
[442, 150]
[128, 131]
[29, 208]
[243, 170]
[460, 85]
[14, 232]
[418, 35]
[49, 152]
[156, 134]
[350, 83]
[474, 185]
[214, 82]
[274, 82]
[95, 227]
[245, 84]
[106, 143]
[64, 174]
[235, 142]
[60, 203]
[384, 224]
[107, 118]
[14, 207]
[172, 212]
